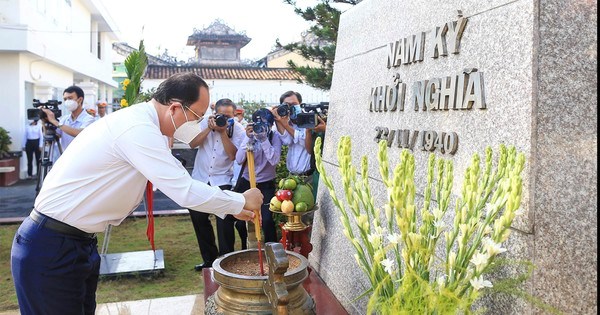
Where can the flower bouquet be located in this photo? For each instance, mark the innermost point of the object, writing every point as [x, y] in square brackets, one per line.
[425, 260]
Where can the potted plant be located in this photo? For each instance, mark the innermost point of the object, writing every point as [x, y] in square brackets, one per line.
[9, 161]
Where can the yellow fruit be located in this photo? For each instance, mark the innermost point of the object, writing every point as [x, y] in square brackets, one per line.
[287, 206]
[275, 204]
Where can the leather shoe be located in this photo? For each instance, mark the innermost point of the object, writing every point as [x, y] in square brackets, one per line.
[203, 265]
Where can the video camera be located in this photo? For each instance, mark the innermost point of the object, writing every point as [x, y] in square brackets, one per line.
[38, 114]
[310, 112]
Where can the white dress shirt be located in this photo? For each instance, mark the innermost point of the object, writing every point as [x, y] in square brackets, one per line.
[83, 120]
[34, 132]
[298, 158]
[101, 179]
[212, 165]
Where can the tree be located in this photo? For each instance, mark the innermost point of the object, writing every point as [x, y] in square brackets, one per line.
[320, 42]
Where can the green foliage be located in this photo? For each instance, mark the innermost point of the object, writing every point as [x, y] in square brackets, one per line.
[147, 95]
[250, 107]
[135, 67]
[5, 142]
[322, 51]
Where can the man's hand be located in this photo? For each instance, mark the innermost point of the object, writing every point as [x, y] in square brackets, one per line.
[245, 215]
[321, 127]
[51, 118]
[278, 119]
[212, 124]
[254, 199]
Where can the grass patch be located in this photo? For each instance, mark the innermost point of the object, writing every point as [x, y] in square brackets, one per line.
[173, 234]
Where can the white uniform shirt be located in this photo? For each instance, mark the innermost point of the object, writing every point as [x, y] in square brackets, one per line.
[212, 165]
[83, 120]
[34, 132]
[101, 179]
[298, 158]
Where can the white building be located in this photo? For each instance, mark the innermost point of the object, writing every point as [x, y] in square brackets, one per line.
[46, 46]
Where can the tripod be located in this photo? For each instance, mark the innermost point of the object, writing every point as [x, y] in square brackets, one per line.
[45, 163]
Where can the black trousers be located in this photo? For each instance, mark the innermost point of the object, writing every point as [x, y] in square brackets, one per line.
[268, 190]
[225, 233]
[31, 147]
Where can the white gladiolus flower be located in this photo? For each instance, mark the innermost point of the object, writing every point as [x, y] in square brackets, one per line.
[388, 265]
[439, 224]
[487, 230]
[492, 247]
[478, 283]
[394, 238]
[489, 208]
[374, 239]
[480, 260]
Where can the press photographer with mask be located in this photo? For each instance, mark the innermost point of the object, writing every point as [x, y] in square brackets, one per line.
[218, 142]
[299, 140]
[100, 180]
[73, 121]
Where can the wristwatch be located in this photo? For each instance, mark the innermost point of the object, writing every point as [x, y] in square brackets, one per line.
[60, 125]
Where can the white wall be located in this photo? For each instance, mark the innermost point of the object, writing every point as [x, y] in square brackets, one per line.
[267, 91]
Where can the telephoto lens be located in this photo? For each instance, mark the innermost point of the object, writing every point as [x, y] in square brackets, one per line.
[221, 120]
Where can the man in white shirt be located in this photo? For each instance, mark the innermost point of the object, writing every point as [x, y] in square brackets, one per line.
[100, 180]
[299, 140]
[33, 141]
[217, 146]
[73, 120]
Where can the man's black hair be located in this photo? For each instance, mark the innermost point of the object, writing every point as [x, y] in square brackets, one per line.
[75, 89]
[225, 102]
[183, 87]
[288, 94]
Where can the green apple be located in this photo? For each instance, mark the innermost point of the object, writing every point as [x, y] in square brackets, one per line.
[289, 184]
[301, 207]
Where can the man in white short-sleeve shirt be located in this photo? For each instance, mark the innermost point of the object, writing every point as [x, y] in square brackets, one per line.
[218, 142]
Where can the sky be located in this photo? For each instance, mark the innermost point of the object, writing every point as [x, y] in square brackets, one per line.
[167, 24]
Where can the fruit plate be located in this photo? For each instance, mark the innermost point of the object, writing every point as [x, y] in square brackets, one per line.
[296, 213]
[294, 222]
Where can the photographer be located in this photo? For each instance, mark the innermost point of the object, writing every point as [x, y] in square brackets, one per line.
[299, 140]
[218, 142]
[100, 180]
[69, 126]
[266, 145]
[33, 141]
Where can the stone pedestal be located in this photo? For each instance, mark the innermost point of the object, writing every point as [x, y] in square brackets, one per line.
[536, 89]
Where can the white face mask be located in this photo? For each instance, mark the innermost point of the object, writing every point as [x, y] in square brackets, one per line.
[188, 131]
[70, 105]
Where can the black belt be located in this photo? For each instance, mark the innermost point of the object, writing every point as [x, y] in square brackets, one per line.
[57, 226]
[307, 173]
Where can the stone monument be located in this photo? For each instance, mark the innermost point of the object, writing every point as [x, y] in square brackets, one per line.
[452, 77]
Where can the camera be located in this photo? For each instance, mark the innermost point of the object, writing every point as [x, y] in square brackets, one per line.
[262, 120]
[221, 120]
[37, 114]
[283, 110]
[308, 118]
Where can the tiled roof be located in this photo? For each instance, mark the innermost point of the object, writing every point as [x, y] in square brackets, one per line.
[223, 73]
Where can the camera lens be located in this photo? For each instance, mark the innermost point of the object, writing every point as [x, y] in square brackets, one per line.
[221, 120]
[259, 127]
[283, 110]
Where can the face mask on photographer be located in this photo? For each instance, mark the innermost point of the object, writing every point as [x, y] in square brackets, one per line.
[189, 130]
[70, 105]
